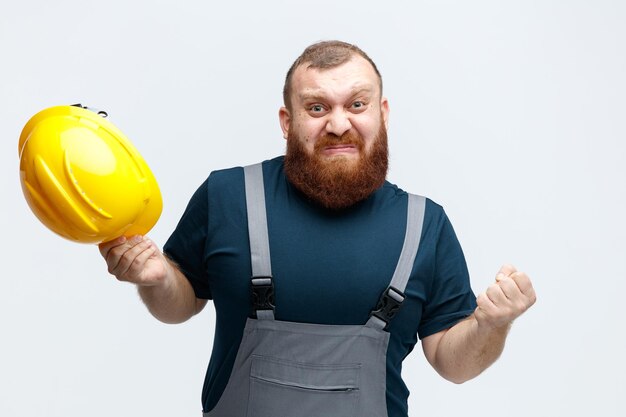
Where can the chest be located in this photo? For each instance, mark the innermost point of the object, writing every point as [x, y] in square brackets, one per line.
[326, 269]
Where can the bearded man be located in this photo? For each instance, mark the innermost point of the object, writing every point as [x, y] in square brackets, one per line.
[323, 274]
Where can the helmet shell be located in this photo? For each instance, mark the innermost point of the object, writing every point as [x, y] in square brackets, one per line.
[84, 179]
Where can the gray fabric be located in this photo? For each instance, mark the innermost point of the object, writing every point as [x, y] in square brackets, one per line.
[376, 323]
[261, 281]
[414, 221]
[257, 230]
[301, 369]
[265, 314]
[396, 296]
[257, 221]
[307, 376]
[413, 235]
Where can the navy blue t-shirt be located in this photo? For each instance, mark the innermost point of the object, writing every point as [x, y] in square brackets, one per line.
[328, 267]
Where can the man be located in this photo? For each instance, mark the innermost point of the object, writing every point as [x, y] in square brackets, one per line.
[317, 337]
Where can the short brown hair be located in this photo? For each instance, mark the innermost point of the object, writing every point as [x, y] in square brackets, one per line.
[325, 55]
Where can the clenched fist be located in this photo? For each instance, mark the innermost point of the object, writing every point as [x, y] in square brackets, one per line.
[505, 300]
[136, 259]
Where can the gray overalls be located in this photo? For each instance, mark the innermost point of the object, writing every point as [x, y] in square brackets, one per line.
[287, 369]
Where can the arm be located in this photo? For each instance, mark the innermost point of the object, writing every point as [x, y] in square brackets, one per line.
[175, 300]
[162, 286]
[471, 346]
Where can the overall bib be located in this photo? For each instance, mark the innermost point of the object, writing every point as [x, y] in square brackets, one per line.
[288, 369]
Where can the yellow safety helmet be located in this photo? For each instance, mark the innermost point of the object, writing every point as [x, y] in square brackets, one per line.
[83, 178]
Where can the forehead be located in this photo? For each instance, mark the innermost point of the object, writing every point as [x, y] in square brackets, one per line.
[355, 75]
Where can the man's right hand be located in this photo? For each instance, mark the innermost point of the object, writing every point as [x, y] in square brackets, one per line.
[136, 259]
[163, 288]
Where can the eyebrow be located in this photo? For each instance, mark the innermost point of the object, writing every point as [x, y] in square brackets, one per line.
[319, 95]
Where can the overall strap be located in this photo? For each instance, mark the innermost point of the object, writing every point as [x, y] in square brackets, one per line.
[261, 282]
[393, 296]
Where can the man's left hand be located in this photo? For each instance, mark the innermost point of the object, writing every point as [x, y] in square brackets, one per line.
[505, 300]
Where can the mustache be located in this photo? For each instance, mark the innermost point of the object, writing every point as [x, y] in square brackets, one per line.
[348, 138]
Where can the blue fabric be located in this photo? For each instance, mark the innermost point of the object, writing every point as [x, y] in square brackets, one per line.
[328, 267]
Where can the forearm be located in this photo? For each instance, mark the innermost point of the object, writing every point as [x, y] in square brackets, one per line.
[173, 300]
[467, 349]
[471, 346]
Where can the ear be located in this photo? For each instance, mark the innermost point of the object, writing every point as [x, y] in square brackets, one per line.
[384, 111]
[285, 120]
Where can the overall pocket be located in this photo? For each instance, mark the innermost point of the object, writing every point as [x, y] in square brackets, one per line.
[280, 388]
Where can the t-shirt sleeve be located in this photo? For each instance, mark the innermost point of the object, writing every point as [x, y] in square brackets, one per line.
[186, 245]
[450, 298]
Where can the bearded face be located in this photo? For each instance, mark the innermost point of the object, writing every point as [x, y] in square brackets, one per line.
[337, 182]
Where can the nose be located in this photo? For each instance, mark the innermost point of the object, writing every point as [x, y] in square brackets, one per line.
[338, 122]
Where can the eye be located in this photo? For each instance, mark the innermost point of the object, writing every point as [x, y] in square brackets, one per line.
[358, 105]
[316, 110]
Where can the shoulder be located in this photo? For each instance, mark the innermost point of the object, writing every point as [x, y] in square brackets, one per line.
[229, 177]
[226, 186]
[434, 212]
[224, 178]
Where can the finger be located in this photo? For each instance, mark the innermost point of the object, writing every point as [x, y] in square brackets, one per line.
[128, 258]
[105, 247]
[484, 307]
[128, 255]
[524, 284]
[115, 253]
[484, 303]
[505, 271]
[138, 264]
[496, 295]
[510, 289]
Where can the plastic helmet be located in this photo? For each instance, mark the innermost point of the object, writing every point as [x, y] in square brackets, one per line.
[83, 178]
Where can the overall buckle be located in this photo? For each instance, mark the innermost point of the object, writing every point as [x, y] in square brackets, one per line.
[262, 294]
[388, 305]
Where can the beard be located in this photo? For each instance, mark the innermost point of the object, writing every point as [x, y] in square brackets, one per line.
[337, 182]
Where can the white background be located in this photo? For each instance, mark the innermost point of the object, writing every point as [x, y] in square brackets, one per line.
[511, 114]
